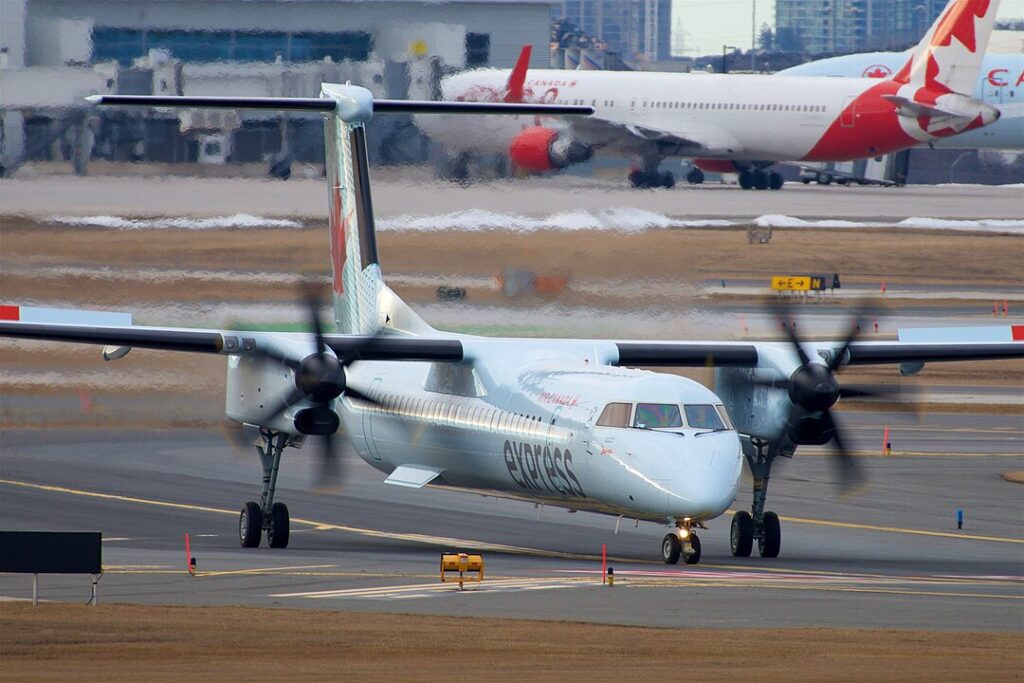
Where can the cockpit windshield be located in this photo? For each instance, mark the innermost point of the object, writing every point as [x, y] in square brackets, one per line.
[664, 416]
[703, 417]
[657, 416]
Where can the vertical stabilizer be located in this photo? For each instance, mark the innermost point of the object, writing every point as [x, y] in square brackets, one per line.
[948, 58]
[514, 89]
[362, 303]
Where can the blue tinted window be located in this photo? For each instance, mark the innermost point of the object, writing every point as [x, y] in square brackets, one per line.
[192, 46]
[259, 47]
[122, 44]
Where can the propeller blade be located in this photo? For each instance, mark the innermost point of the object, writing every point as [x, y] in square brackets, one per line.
[360, 396]
[311, 293]
[782, 384]
[329, 472]
[780, 313]
[850, 475]
[859, 315]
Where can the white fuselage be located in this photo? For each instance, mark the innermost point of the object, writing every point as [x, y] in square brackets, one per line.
[521, 424]
[740, 116]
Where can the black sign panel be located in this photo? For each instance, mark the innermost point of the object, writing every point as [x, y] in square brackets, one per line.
[51, 552]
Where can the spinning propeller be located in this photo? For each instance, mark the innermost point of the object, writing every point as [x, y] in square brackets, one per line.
[814, 389]
[319, 379]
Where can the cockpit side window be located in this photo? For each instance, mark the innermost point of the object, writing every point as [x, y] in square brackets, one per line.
[724, 414]
[657, 416]
[615, 415]
[703, 417]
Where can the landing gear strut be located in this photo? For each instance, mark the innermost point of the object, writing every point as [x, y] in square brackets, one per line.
[683, 542]
[757, 525]
[266, 515]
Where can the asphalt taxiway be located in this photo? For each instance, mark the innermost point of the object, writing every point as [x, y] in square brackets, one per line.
[890, 557]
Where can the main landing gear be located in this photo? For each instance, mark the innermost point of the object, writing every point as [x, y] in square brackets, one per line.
[683, 542]
[266, 515]
[757, 524]
[643, 179]
[761, 180]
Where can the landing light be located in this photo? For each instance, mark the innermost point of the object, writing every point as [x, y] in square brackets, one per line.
[684, 534]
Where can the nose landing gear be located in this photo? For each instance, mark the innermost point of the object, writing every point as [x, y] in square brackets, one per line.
[683, 542]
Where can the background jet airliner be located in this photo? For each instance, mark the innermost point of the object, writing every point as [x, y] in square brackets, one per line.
[1000, 84]
[735, 123]
[570, 423]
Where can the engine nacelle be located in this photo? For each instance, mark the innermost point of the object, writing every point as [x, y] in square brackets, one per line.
[542, 149]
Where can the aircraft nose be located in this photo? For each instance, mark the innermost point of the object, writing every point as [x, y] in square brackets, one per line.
[708, 484]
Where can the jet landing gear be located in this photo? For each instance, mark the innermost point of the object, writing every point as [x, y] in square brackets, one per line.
[266, 515]
[683, 542]
[761, 180]
[757, 524]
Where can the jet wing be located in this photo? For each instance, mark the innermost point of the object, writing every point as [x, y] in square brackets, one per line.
[629, 137]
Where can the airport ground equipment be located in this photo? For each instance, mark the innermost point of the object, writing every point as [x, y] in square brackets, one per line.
[470, 568]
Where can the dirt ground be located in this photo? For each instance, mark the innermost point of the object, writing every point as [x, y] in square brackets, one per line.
[55, 642]
[920, 257]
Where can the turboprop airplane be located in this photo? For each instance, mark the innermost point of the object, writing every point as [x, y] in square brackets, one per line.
[734, 123]
[569, 423]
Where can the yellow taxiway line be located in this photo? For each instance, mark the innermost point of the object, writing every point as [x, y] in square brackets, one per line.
[481, 545]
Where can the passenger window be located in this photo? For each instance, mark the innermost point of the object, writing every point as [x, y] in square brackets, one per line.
[615, 415]
[657, 416]
[703, 417]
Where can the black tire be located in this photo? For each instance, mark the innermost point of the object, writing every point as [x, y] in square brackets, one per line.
[250, 525]
[695, 176]
[671, 548]
[824, 179]
[760, 180]
[741, 535]
[746, 180]
[277, 534]
[694, 556]
[638, 179]
[771, 536]
[668, 181]
[775, 181]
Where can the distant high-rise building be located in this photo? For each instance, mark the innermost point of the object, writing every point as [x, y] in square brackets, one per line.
[843, 26]
[636, 29]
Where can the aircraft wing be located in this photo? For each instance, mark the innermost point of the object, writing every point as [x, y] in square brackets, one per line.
[750, 354]
[235, 342]
[630, 137]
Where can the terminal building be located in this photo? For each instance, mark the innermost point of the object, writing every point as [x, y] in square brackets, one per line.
[55, 52]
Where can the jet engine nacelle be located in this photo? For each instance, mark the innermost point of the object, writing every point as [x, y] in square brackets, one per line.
[541, 149]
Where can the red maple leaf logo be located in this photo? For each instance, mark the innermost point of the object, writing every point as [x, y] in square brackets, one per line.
[877, 71]
[959, 21]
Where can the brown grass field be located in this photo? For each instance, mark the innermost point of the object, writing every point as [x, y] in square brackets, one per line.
[133, 643]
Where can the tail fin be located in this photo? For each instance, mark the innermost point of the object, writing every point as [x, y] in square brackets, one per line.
[516, 80]
[948, 58]
[363, 304]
